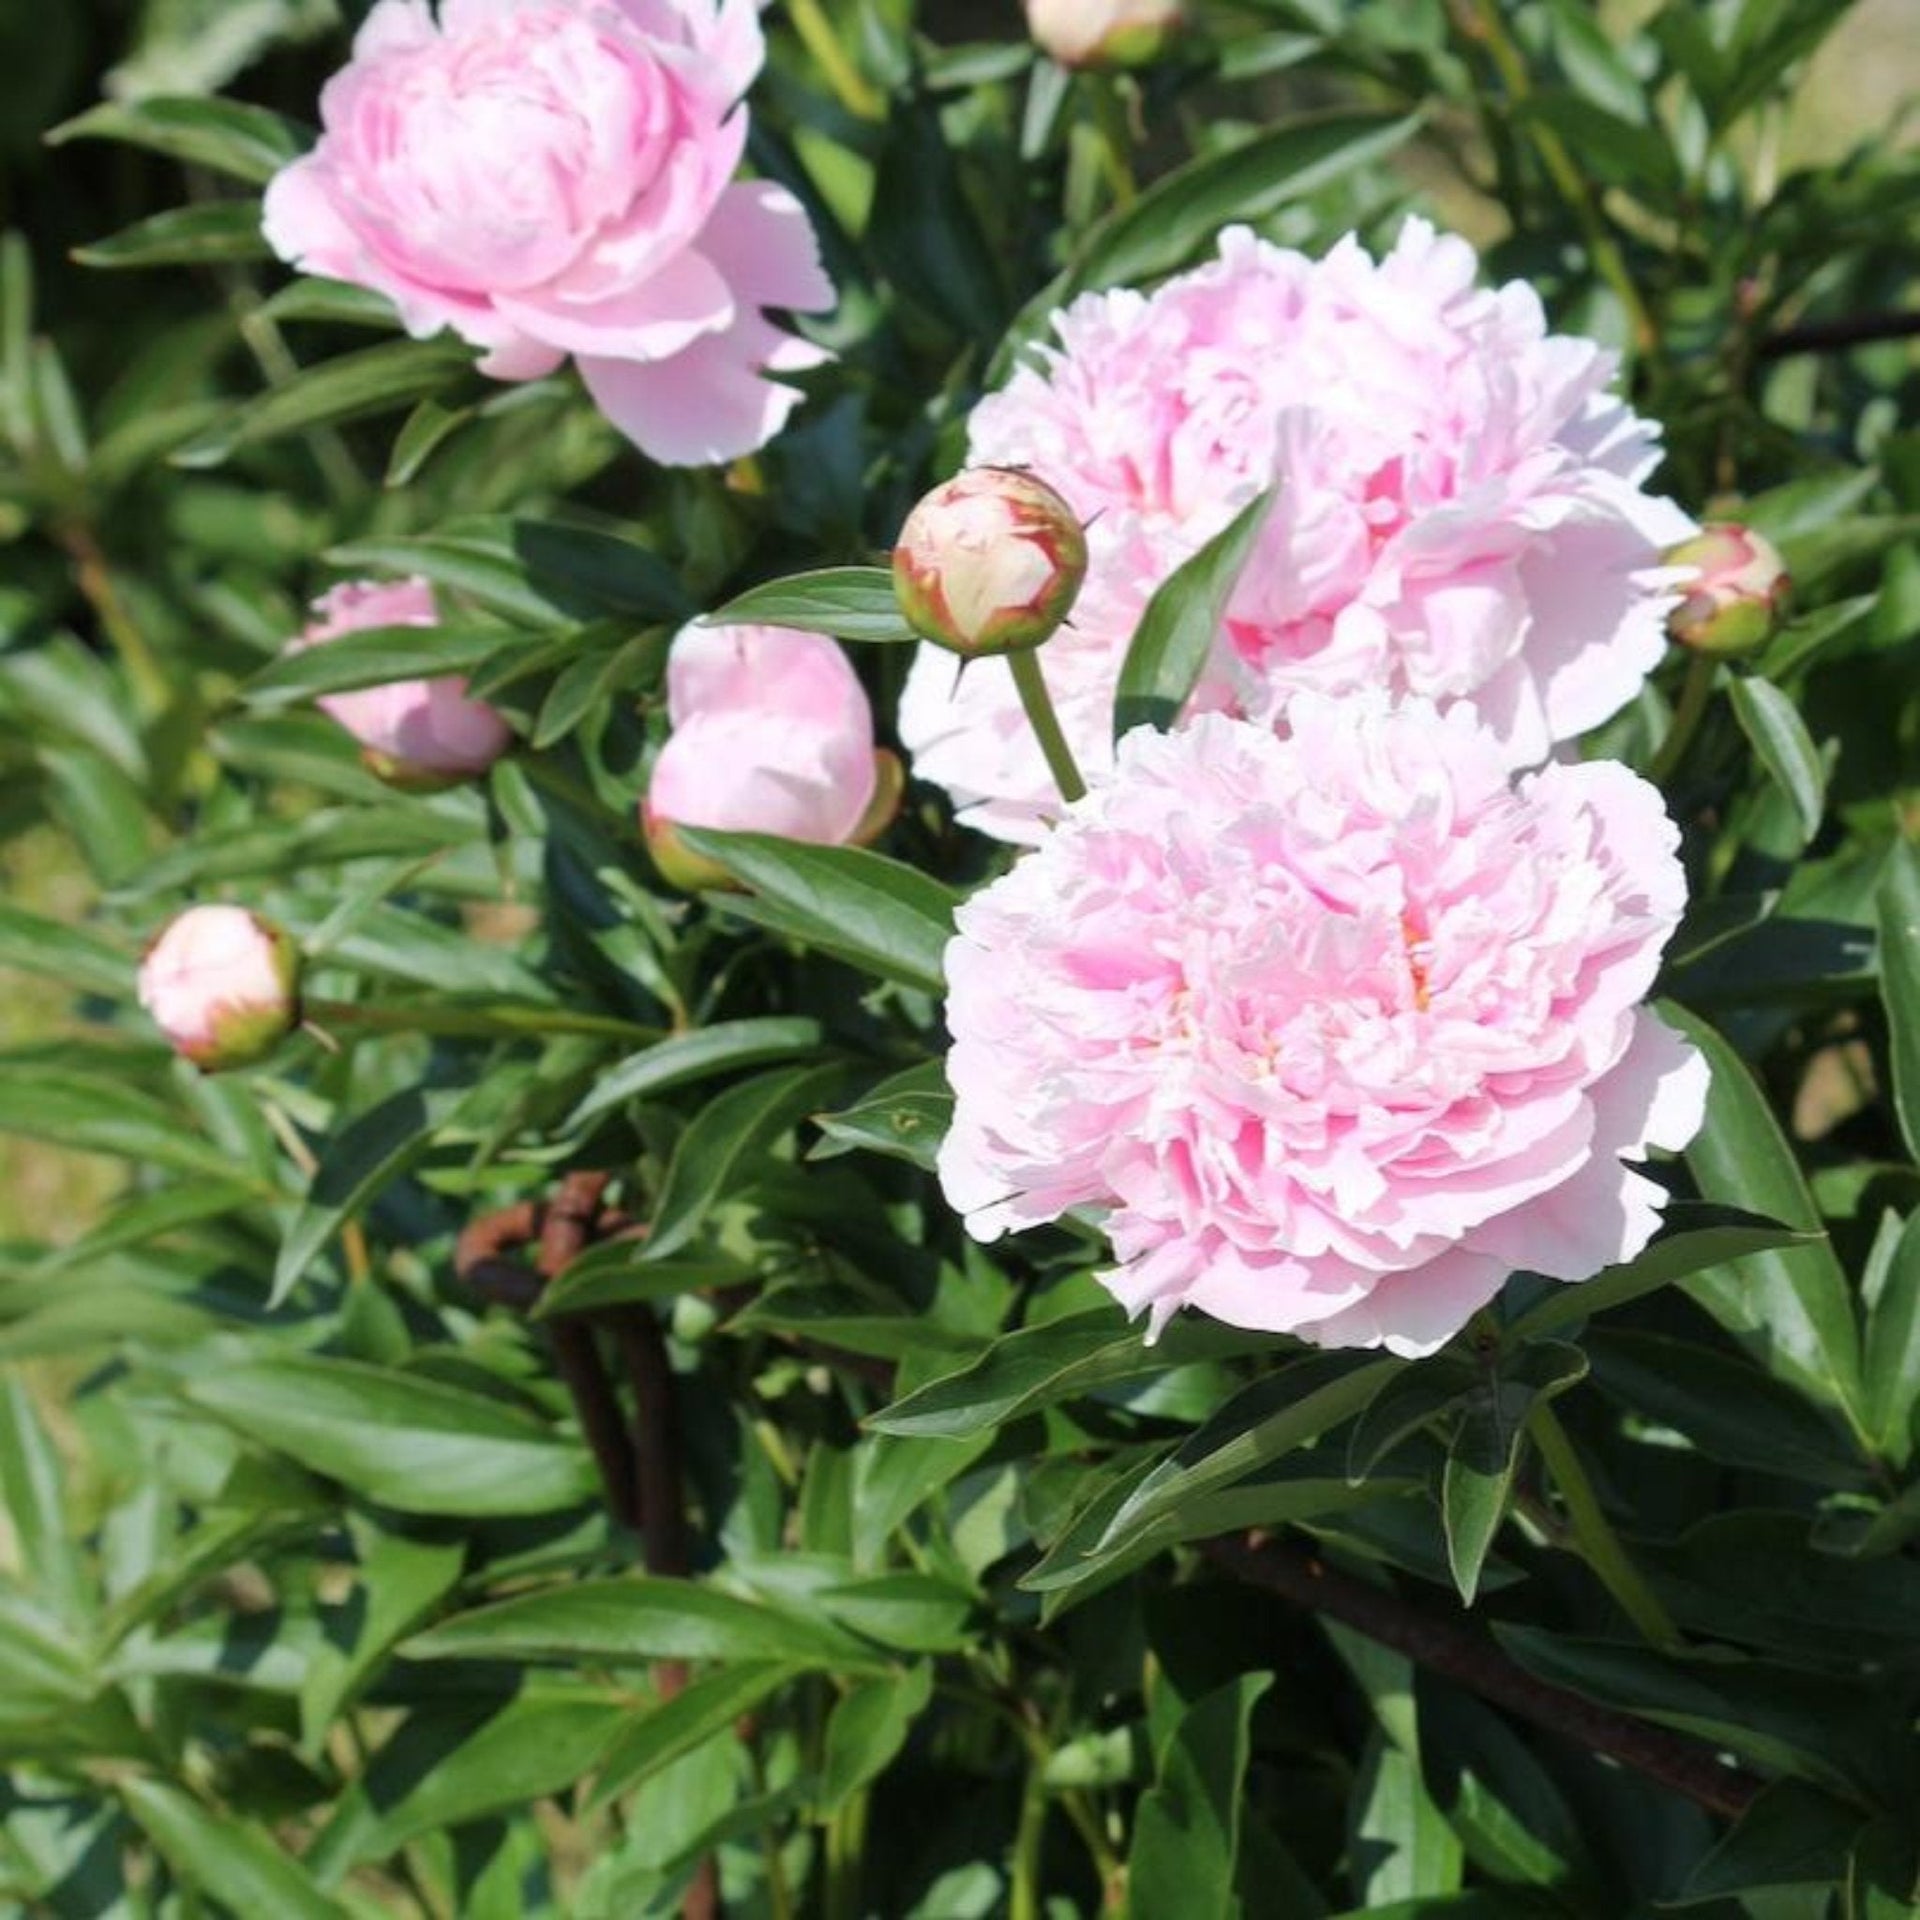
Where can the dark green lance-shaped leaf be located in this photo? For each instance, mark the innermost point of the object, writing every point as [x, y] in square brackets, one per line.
[589, 681]
[1897, 907]
[1792, 1836]
[101, 1116]
[1186, 1835]
[880, 914]
[1777, 1716]
[224, 136]
[373, 657]
[867, 1729]
[31, 944]
[1058, 1360]
[691, 1057]
[426, 429]
[1893, 1346]
[1178, 629]
[905, 1117]
[627, 1622]
[232, 1860]
[1477, 1485]
[1698, 1236]
[373, 1150]
[1792, 1306]
[374, 380]
[850, 603]
[705, 1710]
[1778, 735]
[396, 1438]
[726, 1137]
[183, 237]
[1399, 1843]
[618, 1274]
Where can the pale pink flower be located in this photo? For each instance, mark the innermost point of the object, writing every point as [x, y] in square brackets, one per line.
[220, 983]
[772, 733]
[1330, 1032]
[989, 562]
[1460, 508]
[412, 732]
[1094, 33]
[555, 177]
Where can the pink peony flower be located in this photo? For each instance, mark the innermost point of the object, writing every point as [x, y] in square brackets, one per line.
[1095, 33]
[989, 562]
[1460, 512]
[1330, 1032]
[772, 733]
[555, 177]
[221, 984]
[412, 732]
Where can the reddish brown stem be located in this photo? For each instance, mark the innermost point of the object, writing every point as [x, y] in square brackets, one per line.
[1468, 1658]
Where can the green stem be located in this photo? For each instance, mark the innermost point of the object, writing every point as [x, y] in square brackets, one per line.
[1696, 693]
[1025, 1898]
[1116, 142]
[1046, 724]
[846, 1852]
[1593, 1533]
[457, 1023]
[1567, 177]
[849, 85]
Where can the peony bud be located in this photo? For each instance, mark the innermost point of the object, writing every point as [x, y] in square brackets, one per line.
[1740, 596]
[772, 733]
[222, 984]
[990, 562]
[412, 733]
[1104, 33]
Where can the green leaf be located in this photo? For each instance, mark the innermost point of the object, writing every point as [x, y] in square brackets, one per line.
[373, 657]
[33, 1493]
[1893, 1347]
[1773, 726]
[1697, 1236]
[630, 1621]
[30, 943]
[230, 1859]
[1792, 1836]
[1186, 1834]
[727, 1135]
[618, 1274]
[906, 1117]
[1477, 1485]
[1182, 620]
[397, 1438]
[704, 1710]
[223, 230]
[587, 683]
[889, 918]
[348, 387]
[1897, 908]
[1791, 1306]
[1400, 1845]
[104, 1116]
[370, 1153]
[849, 603]
[867, 1729]
[426, 429]
[225, 136]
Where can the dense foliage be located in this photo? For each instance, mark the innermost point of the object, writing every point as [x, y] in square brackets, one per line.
[539, 1441]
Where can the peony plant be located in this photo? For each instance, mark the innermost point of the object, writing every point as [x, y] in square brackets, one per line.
[1050, 1052]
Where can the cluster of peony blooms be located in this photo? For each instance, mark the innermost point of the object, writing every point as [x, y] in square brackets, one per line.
[1325, 1005]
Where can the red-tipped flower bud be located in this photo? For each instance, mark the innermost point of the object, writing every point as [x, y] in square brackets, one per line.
[222, 984]
[1739, 597]
[990, 562]
[1104, 33]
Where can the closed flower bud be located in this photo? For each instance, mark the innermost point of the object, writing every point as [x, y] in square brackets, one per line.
[990, 562]
[1104, 33]
[1739, 598]
[772, 733]
[222, 984]
[415, 734]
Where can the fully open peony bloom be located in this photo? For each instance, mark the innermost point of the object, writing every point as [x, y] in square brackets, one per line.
[412, 732]
[1330, 1032]
[555, 177]
[1460, 511]
[220, 983]
[772, 733]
